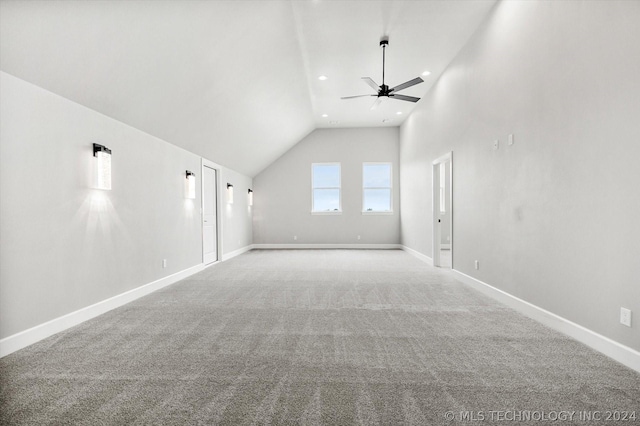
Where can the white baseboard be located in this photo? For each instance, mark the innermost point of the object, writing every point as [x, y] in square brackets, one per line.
[327, 246]
[238, 252]
[28, 337]
[619, 352]
[419, 255]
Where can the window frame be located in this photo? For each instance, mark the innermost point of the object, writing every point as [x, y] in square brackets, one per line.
[339, 188]
[390, 188]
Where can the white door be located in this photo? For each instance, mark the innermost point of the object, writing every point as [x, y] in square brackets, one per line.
[209, 229]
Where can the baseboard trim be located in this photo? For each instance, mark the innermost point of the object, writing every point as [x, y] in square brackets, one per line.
[419, 255]
[327, 246]
[32, 335]
[235, 253]
[617, 351]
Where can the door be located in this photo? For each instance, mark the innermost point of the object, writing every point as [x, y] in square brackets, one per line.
[443, 211]
[209, 219]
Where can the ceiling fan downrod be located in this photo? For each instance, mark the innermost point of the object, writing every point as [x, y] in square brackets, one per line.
[384, 43]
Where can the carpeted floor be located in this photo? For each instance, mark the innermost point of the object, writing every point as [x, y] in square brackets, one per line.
[333, 337]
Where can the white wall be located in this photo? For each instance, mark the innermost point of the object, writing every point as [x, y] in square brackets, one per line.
[282, 195]
[65, 245]
[555, 218]
[236, 217]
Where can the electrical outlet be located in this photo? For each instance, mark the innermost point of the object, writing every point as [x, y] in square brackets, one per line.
[164, 263]
[510, 139]
[295, 237]
[477, 264]
[625, 317]
[496, 144]
[358, 236]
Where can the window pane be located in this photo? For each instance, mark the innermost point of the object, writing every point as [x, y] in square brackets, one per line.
[377, 175]
[325, 200]
[326, 175]
[377, 200]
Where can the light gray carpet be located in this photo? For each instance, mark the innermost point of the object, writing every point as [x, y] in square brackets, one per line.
[309, 337]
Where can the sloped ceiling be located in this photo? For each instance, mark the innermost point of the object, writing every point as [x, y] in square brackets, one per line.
[233, 81]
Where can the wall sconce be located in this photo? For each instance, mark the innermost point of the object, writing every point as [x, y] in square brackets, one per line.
[230, 193]
[250, 192]
[190, 187]
[102, 156]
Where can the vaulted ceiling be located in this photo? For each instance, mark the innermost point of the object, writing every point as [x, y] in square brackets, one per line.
[234, 81]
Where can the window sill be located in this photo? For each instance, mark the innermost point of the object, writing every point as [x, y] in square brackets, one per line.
[327, 213]
[377, 213]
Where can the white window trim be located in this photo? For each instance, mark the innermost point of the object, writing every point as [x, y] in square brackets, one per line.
[390, 188]
[339, 188]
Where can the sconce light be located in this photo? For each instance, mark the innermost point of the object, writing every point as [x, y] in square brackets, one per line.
[190, 187]
[102, 167]
[230, 193]
[250, 192]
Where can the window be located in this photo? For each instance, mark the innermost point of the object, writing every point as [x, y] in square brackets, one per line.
[376, 191]
[325, 178]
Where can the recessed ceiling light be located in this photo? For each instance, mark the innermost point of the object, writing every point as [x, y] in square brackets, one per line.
[399, 113]
[323, 78]
[325, 115]
[426, 73]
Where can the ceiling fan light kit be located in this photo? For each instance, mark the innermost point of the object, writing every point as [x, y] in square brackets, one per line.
[383, 90]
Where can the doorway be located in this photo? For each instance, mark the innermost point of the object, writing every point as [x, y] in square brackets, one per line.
[443, 211]
[209, 213]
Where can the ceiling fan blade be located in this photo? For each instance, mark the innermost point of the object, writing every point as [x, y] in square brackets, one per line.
[409, 83]
[371, 83]
[356, 96]
[376, 103]
[404, 98]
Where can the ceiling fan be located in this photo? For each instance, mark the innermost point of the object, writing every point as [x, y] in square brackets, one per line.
[384, 90]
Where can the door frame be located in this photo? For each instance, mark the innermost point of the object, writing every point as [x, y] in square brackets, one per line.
[216, 168]
[437, 236]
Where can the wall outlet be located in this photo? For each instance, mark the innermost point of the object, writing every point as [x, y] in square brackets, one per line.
[477, 264]
[625, 317]
[164, 263]
[496, 144]
[295, 237]
[510, 139]
[358, 236]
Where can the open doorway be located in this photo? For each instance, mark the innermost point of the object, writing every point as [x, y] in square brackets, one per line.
[443, 211]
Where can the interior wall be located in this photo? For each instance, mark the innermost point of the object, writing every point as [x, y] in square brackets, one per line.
[553, 218]
[237, 219]
[282, 207]
[65, 245]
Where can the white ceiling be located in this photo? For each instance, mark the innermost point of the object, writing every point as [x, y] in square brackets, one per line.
[233, 81]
